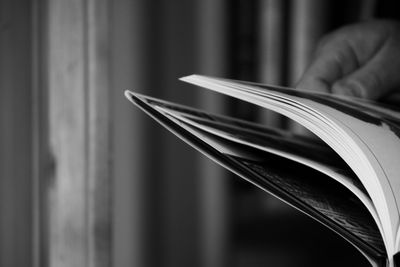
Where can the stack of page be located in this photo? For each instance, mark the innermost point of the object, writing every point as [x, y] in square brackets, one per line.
[349, 179]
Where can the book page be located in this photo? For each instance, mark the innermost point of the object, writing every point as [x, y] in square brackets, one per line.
[302, 187]
[324, 195]
[327, 198]
[300, 149]
[367, 140]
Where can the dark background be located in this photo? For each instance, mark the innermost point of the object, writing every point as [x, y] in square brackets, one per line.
[86, 179]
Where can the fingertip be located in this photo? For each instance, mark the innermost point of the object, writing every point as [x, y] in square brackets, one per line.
[314, 85]
[349, 88]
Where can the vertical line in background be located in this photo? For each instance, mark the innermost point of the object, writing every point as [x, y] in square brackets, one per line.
[43, 162]
[97, 79]
[151, 40]
[272, 50]
[271, 31]
[36, 136]
[129, 155]
[78, 77]
[86, 129]
[273, 65]
[213, 58]
[367, 9]
[16, 213]
[307, 26]
[66, 87]
[177, 47]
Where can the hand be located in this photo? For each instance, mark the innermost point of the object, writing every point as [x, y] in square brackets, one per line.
[361, 60]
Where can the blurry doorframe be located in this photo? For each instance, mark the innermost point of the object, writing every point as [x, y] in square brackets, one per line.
[78, 101]
[71, 191]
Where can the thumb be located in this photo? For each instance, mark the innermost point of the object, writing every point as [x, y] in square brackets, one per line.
[377, 78]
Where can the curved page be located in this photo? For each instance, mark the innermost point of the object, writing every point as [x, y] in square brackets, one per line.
[366, 140]
[308, 190]
[318, 157]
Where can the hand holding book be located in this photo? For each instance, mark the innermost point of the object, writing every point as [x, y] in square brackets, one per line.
[363, 135]
[360, 60]
[349, 180]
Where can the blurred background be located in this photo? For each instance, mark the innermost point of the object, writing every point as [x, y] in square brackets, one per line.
[86, 179]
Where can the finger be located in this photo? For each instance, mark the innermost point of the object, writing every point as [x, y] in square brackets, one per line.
[375, 79]
[331, 64]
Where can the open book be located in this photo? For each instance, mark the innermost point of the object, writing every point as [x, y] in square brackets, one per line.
[349, 180]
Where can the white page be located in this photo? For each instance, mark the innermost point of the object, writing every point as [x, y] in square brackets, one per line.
[363, 233]
[349, 138]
